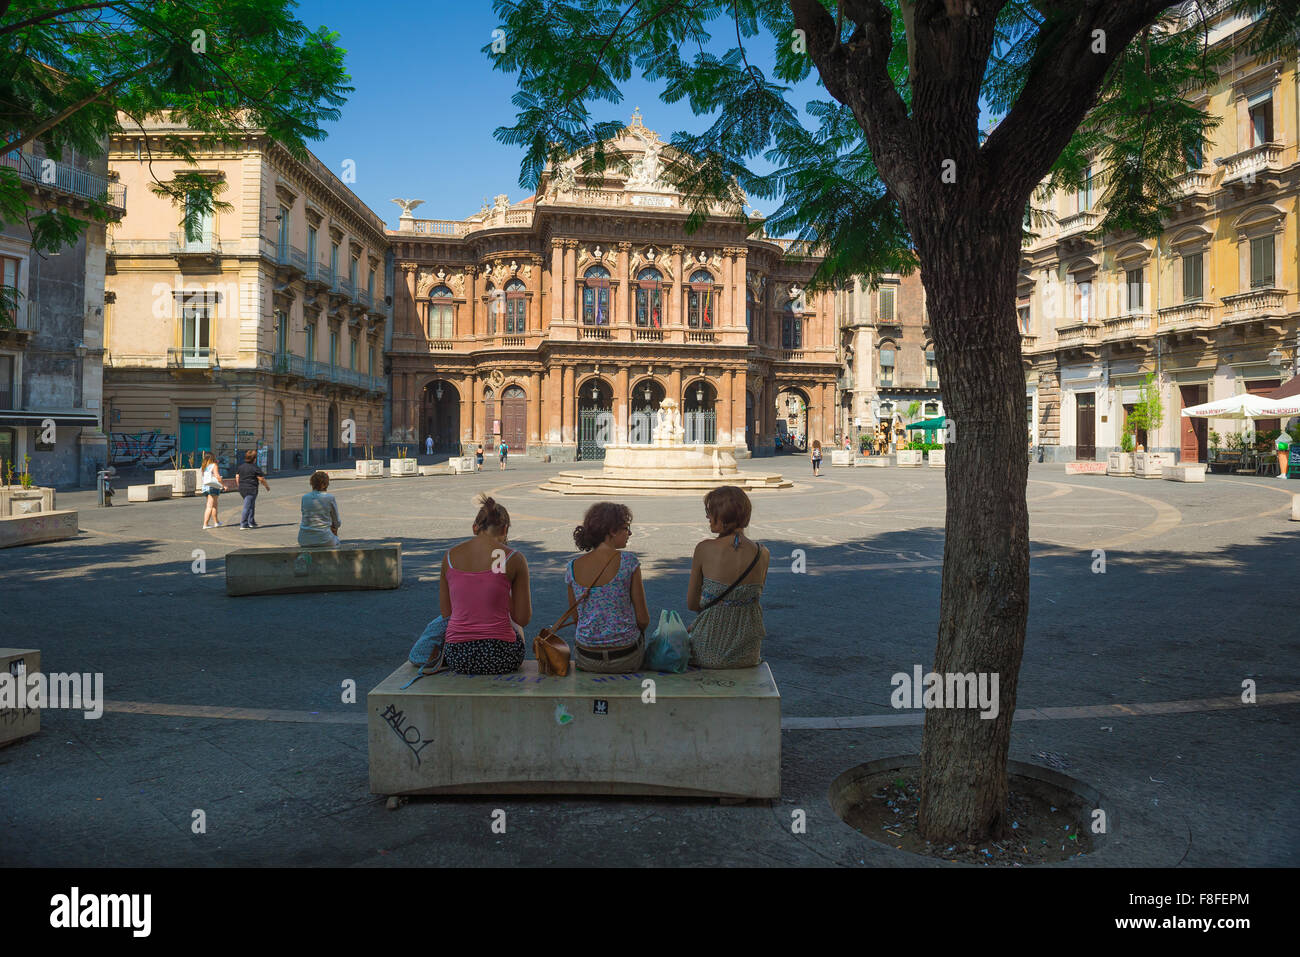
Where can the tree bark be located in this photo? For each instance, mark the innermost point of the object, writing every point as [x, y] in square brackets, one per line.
[969, 269]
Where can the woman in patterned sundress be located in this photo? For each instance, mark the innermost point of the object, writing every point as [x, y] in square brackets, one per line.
[613, 617]
[729, 631]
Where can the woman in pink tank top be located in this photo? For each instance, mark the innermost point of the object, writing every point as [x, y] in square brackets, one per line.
[484, 593]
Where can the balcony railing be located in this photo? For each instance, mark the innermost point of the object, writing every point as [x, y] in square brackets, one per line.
[595, 332]
[1256, 304]
[1243, 167]
[1078, 334]
[789, 355]
[286, 363]
[1186, 315]
[1122, 327]
[190, 357]
[291, 257]
[365, 298]
[184, 244]
[52, 174]
[692, 336]
[513, 342]
[440, 345]
[648, 335]
[318, 273]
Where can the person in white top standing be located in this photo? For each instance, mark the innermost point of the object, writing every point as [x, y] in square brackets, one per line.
[210, 482]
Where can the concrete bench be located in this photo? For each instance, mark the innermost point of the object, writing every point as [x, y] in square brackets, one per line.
[284, 571]
[1183, 473]
[18, 723]
[147, 493]
[37, 527]
[707, 734]
[434, 470]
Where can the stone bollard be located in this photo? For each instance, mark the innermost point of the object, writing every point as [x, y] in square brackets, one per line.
[1295, 508]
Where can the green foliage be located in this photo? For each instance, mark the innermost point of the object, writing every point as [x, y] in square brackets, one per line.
[920, 445]
[25, 476]
[913, 410]
[1148, 412]
[1126, 442]
[1216, 441]
[220, 67]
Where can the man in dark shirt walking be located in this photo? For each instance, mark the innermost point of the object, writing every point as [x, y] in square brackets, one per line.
[249, 475]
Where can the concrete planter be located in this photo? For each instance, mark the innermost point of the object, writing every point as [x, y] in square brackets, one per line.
[909, 458]
[16, 500]
[1119, 463]
[841, 457]
[370, 468]
[937, 460]
[1150, 465]
[403, 467]
[465, 464]
[184, 482]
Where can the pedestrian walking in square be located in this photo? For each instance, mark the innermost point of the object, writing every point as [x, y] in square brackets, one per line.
[249, 476]
[211, 485]
[503, 450]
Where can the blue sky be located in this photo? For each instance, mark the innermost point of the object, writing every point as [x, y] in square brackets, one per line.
[420, 123]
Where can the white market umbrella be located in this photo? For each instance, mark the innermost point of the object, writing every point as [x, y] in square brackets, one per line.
[1244, 406]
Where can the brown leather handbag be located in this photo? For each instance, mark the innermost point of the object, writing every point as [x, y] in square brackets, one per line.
[552, 651]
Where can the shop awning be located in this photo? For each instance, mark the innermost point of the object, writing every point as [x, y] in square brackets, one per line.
[29, 417]
[1286, 390]
[928, 425]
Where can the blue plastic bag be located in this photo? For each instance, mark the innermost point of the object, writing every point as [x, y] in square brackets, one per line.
[668, 649]
[429, 644]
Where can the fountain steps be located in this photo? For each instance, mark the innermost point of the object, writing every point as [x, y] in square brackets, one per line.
[601, 483]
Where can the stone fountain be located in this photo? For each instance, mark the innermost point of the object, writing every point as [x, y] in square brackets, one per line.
[665, 466]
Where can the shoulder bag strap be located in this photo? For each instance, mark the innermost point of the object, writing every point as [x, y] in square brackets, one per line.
[743, 576]
[563, 621]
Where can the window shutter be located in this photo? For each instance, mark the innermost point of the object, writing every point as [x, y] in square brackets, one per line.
[886, 305]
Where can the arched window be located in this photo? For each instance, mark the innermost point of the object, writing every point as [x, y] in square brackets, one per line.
[702, 301]
[595, 296]
[440, 313]
[516, 308]
[649, 298]
[792, 326]
[513, 392]
[887, 351]
[931, 368]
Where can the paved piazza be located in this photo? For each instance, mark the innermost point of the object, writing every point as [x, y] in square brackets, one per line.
[232, 705]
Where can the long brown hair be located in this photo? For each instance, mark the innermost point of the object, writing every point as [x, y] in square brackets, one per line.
[491, 514]
[208, 459]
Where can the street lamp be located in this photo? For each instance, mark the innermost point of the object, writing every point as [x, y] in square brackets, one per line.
[646, 393]
[699, 393]
[595, 392]
[437, 393]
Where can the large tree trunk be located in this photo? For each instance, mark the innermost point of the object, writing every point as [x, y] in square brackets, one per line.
[969, 270]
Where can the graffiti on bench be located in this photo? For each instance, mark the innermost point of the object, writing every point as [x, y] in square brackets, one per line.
[149, 450]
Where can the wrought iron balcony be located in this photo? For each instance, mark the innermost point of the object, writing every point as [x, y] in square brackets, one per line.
[292, 258]
[191, 357]
[46, 173]
[286, 363]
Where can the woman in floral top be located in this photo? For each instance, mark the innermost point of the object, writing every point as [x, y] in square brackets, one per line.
[613, 617]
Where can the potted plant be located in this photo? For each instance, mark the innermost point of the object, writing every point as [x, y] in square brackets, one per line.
[1149, 414]
[1121, 462]
[370, 467]
[936, 455]
[26, 496]
[402, 465]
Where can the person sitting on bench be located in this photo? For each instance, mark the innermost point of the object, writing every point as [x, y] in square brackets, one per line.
[320, 516]
[727, 576]
[612, 616]
[482, 589]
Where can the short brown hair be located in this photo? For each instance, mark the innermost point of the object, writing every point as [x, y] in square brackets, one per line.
[491, 514]
[730, 506]
[250, 455]
[601, 521]
[320, 481]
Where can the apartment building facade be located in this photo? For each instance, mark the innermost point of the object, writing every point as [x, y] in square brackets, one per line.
[887, 355]
[559, 323]
[51, 355]
[1210, 307]
[262, 327]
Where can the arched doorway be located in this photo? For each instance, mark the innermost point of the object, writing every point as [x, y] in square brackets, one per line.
[491, 423]
[749, 420]
[306, 442]
[792, 417]
[699, 412]
[277, 435]
[646, 396]
[595, 419]
[514, 418]
[332, 437]
[440, 416]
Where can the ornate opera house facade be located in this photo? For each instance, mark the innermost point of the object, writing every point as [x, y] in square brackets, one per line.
[537, 321]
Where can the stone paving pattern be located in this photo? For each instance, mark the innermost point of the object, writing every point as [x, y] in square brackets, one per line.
[1199, 594]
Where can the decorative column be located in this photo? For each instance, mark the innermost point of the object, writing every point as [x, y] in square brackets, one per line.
[727, 414]
[675, 386]
[553, 387]
[412, 318]
[557, 280]
[468, 329]
[568, 412]
[675, 317]
[534, 408]
[623, 294]
[621, 402]
[467, 430]
[727, 297]
[570, 281]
